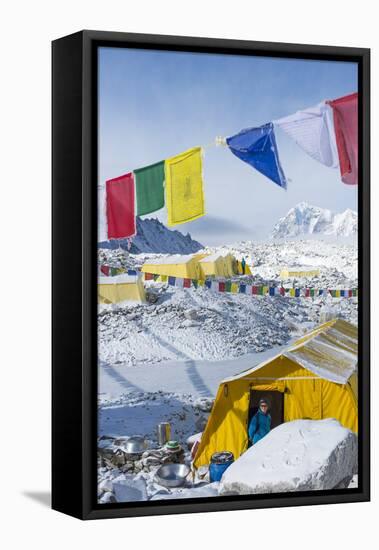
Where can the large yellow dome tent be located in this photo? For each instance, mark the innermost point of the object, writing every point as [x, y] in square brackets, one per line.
[185, 266]
[314, 378]
[121, 288]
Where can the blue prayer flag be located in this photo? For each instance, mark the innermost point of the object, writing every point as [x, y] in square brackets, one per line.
[208, 283]
[297, 292]
[242, 289]
[171, 281]
[272, 291]
[257, 147]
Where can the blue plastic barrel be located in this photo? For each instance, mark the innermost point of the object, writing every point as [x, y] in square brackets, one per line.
[219, 463]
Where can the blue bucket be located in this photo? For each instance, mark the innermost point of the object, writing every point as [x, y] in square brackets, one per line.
[219, 463]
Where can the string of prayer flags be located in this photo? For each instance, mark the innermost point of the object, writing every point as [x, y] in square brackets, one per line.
[184, 187]
[257, 147]
[313, 130]
[250, 290]
[120, 207]
[345, 116]
[149, 188]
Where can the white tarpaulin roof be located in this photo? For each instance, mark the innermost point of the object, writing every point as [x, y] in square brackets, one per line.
[329, 351]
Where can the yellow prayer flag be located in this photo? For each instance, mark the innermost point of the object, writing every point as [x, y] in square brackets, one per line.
[265, 290]
[292, 292]
[184, 187]
[338, 294]
[234, 287]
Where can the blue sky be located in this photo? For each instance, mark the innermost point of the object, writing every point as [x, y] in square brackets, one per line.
[155, 104]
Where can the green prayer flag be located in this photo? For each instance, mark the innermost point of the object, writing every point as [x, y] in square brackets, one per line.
[149, 188]
[228, 286]
[260, 291]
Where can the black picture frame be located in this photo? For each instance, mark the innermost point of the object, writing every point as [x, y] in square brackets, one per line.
[74, 294]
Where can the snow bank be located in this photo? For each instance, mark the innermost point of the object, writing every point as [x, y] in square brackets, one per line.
[296, 456]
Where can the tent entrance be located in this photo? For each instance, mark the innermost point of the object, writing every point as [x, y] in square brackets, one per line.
[275, 400]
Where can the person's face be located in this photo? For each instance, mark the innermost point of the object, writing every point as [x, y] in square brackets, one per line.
[264, 407]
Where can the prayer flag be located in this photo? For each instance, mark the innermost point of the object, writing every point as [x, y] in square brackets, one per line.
[195, 283]
[149, 188]
[149, 276]
[104, 269]
[184, 187]
[272, 291]
[221, 286]
[208, 283]
[292, 292]
[187, 283]
[179, 282]
[228, 286]
[171, 281]
[345, 115]
[313, 130]
[297, 292]
[242, 289]
[257, 147]
[120, 206]
[234, 287]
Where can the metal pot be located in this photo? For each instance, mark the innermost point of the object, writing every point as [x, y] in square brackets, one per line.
[135, 445]
[172, 475]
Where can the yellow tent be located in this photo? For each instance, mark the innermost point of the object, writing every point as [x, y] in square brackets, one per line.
[213, 265]
[178, 265]
[314, 378]
[298, 271]
[112, 290]
[247, 269]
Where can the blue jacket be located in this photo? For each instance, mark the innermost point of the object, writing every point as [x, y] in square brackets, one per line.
[259, 426]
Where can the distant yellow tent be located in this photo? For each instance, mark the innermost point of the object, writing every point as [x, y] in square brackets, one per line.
[178, 265]
[314, 378]
[112, 290]
[298, 271]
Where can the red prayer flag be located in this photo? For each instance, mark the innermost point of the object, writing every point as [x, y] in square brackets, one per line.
[282, 291]
[149, 276]
[187, 283]
[120, 207]
[254, 289]
[307, 293]
[345, 117]
[105, 269]
[221, 286]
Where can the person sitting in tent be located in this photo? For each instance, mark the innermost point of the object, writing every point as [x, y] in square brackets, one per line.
[243, 264]
[260, 424]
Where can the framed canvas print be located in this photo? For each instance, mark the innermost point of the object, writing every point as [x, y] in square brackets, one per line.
[210, 275]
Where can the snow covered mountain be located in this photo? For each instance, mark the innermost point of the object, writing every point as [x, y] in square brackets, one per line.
[305, 219]
[154, 237]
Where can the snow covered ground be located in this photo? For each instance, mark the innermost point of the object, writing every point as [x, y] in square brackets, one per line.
[163, 361]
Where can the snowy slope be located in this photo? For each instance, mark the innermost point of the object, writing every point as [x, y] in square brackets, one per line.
[154, 237]
[305, 219]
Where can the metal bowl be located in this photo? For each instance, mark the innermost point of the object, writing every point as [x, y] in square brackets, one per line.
[135, 445]
[172, 475]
